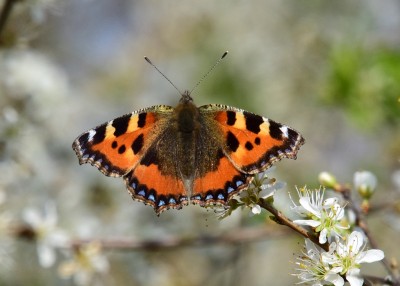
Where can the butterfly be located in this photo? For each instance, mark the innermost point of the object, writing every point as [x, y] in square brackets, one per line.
[172, 156]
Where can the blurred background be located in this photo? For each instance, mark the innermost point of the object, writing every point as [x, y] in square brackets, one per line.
[329, 69]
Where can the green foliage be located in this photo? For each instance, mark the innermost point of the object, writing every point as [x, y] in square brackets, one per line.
[366, 83]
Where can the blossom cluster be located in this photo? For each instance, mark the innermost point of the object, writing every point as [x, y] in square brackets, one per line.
[262, 187]
[343, 259]
[327, 218]
[86, 261]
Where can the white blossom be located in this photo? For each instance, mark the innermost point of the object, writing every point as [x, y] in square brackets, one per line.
[326, 216]
[313, 269]
[261, 187]
[87, 261]
[48, 234]
[31, 74]
[346, 257]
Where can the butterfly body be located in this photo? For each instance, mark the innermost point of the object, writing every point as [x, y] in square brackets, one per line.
[169, 156]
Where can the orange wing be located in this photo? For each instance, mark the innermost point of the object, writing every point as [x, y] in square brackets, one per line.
[218, 186]
[125, 147]
[147, 184]
[253, 143]
[116, 147]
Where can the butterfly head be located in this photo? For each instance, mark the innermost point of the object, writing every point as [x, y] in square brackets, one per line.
[186, 98]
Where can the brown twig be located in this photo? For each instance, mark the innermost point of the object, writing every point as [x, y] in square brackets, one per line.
[237, 236]
[5, 14]
[282, 219]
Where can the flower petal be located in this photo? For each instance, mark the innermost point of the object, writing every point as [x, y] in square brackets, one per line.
[355, 242]
[256, 209]
[330, 202]
[305, 202]
[335, 279]
[46, 254]
[309, 222]
[322, 236]
[32, 217]
[354, 278]
[369, 256]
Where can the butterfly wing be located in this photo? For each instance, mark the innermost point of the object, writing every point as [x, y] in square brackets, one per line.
[219, 185]
[116, 146]
[249, 144]
[127, 146]
[151, 183]
[252, 142]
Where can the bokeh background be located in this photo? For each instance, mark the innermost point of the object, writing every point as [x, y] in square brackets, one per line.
[329, 69]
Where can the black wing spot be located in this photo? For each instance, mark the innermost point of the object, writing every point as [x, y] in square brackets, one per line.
[232, 141]
[121, 124]
[121, 149]
[137, 144]
[275, 130]
[142, 120]
[114, 144]
[257, 141]
[231, 117]
[249, 146]
[100, 134]
[253, 122]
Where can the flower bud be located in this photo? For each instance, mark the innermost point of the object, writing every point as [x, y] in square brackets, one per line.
[365, 183]
[327, 180]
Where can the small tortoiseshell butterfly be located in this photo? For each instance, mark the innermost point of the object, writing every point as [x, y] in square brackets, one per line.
[170, 156]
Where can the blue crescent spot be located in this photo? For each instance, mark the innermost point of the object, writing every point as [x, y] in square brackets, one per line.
[209, 197]
[239, 183]
[161, 203]
[142, 193]
[172, 201]
[152, 198]
[221, 197]
[133, 185]
[197, 197]
[183, 199]
[230, 190]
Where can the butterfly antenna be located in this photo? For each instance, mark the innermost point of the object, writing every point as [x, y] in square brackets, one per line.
[154, 66]
[209, 71]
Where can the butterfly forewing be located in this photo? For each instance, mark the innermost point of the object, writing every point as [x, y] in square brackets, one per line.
[116, 147]
[252, 142]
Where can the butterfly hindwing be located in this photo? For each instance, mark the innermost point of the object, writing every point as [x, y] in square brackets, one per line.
[147, 184]
[219, 185]
[252, 142]
[116, 147]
